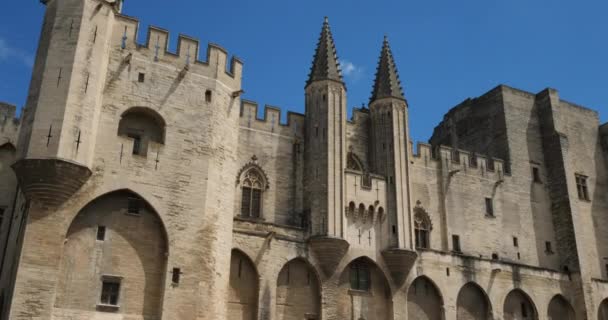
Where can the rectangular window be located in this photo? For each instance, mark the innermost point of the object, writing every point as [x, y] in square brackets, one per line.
[536, 174]
[176, 275]
[134, 206]
[456, 243]
[489, 207]
[515, 242]
[110, 292]
[141, 77]
[101, 233]
[136, 143]
[256, 201]
[581, 187]
[548, 247]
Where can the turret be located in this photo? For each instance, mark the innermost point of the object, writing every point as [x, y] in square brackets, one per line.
[57, 139]
[325, 152]
[390, 154]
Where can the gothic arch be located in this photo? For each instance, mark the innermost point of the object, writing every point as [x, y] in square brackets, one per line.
[602, 313]
[422, 227]
[298, 291]
[560, 309]
[253, 165]
[244, 287]
[424, 300]
[473, 303]
[127, 240]
[354, 163]
[519, 305]
[371, 301]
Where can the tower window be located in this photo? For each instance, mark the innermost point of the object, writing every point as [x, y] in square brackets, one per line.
[422, 226]
[176, 275]
[101, 233]
[251, 200]
[536, 174]
[134, 206]
[110, 291]
[456, 243]
[494, 256]
[137, 149]
[515, 242]
[142, 77]
[489, 207]
[548, 247]
[359, 276]
[581, 187]
[208, 96]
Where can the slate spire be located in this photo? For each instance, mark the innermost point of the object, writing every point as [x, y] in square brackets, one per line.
[325, 65]
[387, 84]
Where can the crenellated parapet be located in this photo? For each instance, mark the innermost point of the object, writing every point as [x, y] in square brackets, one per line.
[186, 57]
[456, 160]
[271, 120]
[9, 124]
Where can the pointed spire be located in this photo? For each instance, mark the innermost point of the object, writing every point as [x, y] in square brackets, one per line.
[325, 65]
[387, 84]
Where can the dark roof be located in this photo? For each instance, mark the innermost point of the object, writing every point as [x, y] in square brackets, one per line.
[325, 65]
[387, 83]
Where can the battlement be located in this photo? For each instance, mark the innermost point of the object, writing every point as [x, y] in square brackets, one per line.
[186, 57]
[271, 120]
[461, 160]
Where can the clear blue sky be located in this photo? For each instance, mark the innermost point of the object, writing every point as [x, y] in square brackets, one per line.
[445, 50]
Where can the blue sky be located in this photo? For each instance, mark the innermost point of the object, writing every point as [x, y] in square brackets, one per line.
[446, 50]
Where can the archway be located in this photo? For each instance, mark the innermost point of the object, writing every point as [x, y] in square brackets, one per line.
[364, 292]
[519, 306]
[114, 259]
[473, 303]
[243, 291]
[143, 125]
[298, 295]
[602, 313]
[560, 309]
[424, 301]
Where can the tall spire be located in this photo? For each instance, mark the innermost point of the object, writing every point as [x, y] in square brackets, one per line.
[325, 65]
[387, 84]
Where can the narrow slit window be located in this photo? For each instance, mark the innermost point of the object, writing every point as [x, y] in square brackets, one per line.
[494, 256]
[515, 242]
[456, 243]
[536, 174]
[101, 233]
[137, 149]
[208, 96]
[141, 77]
[581, 187]
[489, 207]
[548, 247]
[175, 277]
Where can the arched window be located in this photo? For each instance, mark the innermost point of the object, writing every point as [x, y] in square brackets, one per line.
[253, 187]
[351, 209]
[423, 227]
[361, 211]
[359, 276]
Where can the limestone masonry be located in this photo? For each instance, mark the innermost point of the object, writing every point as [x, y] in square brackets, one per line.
[138, 185]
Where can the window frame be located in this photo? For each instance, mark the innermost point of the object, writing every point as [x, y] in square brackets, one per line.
[456, 247]
[114, 281]
[137, 144]
[360, 276]
[253, 186]
[582, 186]
[490, 212]
[101, 231]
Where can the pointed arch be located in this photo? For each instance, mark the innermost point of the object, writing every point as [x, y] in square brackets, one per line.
[602, 313]
[244, 287]
[364, 283]
[126, 238]
[560, 309]
[298, 291]
[253, 182]
[473, 303]
[519, 305]
[354, 163]
[424, 300]
[422, 227]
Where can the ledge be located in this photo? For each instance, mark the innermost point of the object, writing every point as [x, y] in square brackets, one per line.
[329, 251]
[399, 261]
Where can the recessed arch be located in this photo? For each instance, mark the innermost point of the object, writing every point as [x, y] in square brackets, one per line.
[473, 303]
[424, 300]
[244, 287]
[370, 301]
[124, 238]
[143, 125]
[519, 305]
[298, 291]
[560, 309]
[602, 313]
[8, 146]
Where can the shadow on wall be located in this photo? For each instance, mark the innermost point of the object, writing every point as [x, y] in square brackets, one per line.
[424, 300]
[244, 287]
